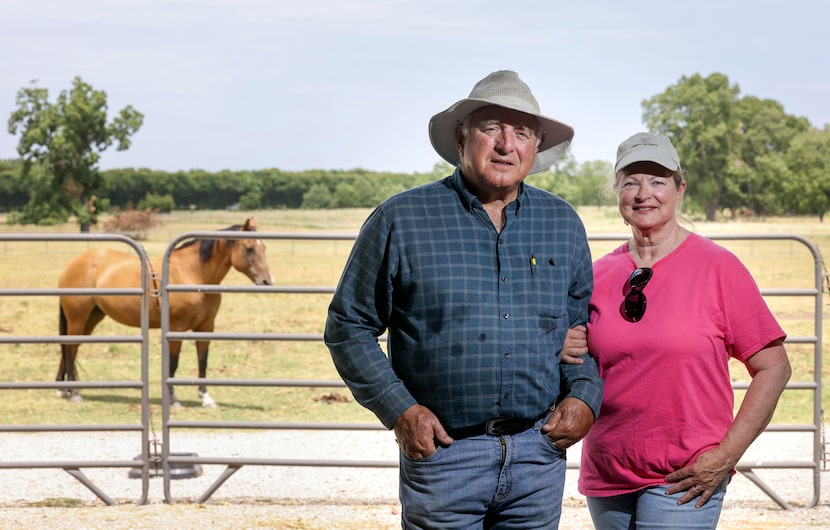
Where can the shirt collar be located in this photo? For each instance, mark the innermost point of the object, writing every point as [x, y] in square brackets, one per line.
[469, 200]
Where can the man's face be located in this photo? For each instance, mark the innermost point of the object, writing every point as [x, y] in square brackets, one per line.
[498, 150]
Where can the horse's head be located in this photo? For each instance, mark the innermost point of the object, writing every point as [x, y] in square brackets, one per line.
[248, 257]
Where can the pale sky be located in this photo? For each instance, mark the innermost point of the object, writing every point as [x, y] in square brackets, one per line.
[334, 84]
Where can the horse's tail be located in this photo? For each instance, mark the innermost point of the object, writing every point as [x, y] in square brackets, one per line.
[61, 320]
[62, 367]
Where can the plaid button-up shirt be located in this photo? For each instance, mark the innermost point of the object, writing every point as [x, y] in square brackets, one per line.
[476, 319]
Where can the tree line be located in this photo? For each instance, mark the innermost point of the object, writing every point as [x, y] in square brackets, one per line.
[741, 154]
[276, 189]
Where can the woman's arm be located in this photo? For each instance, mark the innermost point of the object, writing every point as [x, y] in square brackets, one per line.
[770, 370]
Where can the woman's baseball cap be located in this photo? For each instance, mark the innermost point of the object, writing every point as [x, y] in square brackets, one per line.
[647, 147]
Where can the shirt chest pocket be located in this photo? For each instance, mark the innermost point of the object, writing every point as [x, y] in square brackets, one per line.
[549, 282]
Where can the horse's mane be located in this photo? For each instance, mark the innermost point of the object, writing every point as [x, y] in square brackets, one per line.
[206, 246]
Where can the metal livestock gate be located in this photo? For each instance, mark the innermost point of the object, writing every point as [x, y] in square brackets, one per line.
[233, 464]
[74, 467]
[167, 458]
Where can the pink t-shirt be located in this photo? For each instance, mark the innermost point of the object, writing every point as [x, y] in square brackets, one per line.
[668, 395]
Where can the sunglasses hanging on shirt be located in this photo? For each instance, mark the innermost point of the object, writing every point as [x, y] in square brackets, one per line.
[633, 306]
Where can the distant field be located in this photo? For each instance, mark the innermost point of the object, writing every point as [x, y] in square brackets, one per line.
[775, 264]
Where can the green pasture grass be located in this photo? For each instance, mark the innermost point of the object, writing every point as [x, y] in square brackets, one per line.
[775, 265]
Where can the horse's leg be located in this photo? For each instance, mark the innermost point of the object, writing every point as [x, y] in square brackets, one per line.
[65, 355]
[69, 352]
[66, 372]
[202, 347]
[175, 349]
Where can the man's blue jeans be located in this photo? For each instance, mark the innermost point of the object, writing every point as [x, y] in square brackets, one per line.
[652, 508]
[514, 481]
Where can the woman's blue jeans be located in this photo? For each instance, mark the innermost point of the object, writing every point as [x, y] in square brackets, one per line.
[652, 508]
[514, 481]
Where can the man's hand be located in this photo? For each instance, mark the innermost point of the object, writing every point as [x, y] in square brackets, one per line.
[569, 422]
[576, 344]
[417, 430]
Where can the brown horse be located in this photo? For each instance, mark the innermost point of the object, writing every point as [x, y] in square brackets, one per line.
[195, 262]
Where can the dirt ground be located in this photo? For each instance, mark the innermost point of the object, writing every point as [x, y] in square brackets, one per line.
[324, 515]
[317, 498]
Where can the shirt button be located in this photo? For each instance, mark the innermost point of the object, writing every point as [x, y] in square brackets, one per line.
[507, 354]
[506, 315]
[507, 396]
[504, 278]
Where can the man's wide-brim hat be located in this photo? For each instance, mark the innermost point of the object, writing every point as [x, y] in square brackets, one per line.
[503, 89]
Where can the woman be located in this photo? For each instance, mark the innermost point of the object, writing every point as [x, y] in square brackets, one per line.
[669, 309]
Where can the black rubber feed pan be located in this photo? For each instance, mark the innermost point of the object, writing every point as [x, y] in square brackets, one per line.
[177, 471]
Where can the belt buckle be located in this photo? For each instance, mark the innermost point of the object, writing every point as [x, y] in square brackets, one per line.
[492, 426]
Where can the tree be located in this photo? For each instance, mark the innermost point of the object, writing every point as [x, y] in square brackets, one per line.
[698, 114]
[733, 149]
[65, 139]
[581, 184]
[764, 137]
[558, 178]
[808, 189]
[13, 191]
[318, 196]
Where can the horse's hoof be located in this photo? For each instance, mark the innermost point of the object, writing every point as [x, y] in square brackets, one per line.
[76, 398]
[207, 401]
[62, 394]
[176, 406]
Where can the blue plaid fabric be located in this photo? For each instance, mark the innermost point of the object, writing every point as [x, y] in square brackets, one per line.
[476, 319]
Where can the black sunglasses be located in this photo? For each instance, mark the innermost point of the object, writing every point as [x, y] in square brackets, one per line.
[633, 306]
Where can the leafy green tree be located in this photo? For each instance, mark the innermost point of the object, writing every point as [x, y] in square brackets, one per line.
[65, 139]
[317, 197]
[699, 115]
[250, 201]
[157, 202]
[581, 184]
[764, 135]
[13, 190]
[281, 190]
[733, 148]
[351, 193]
[592, 180]
[807, 191]
[559, 179]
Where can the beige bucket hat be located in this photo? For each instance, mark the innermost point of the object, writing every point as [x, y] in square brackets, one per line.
[504, 89]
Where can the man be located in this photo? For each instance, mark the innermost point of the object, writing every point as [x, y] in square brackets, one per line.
[476, 278]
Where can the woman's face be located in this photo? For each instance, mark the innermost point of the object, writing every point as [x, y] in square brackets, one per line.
[648, 196]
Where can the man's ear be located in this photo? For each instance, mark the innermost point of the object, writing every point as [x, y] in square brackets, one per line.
[459, 140]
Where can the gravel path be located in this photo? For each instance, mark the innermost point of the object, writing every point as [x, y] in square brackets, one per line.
[312, 497]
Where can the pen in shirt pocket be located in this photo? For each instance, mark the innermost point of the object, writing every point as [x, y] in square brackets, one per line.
[532, 264]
